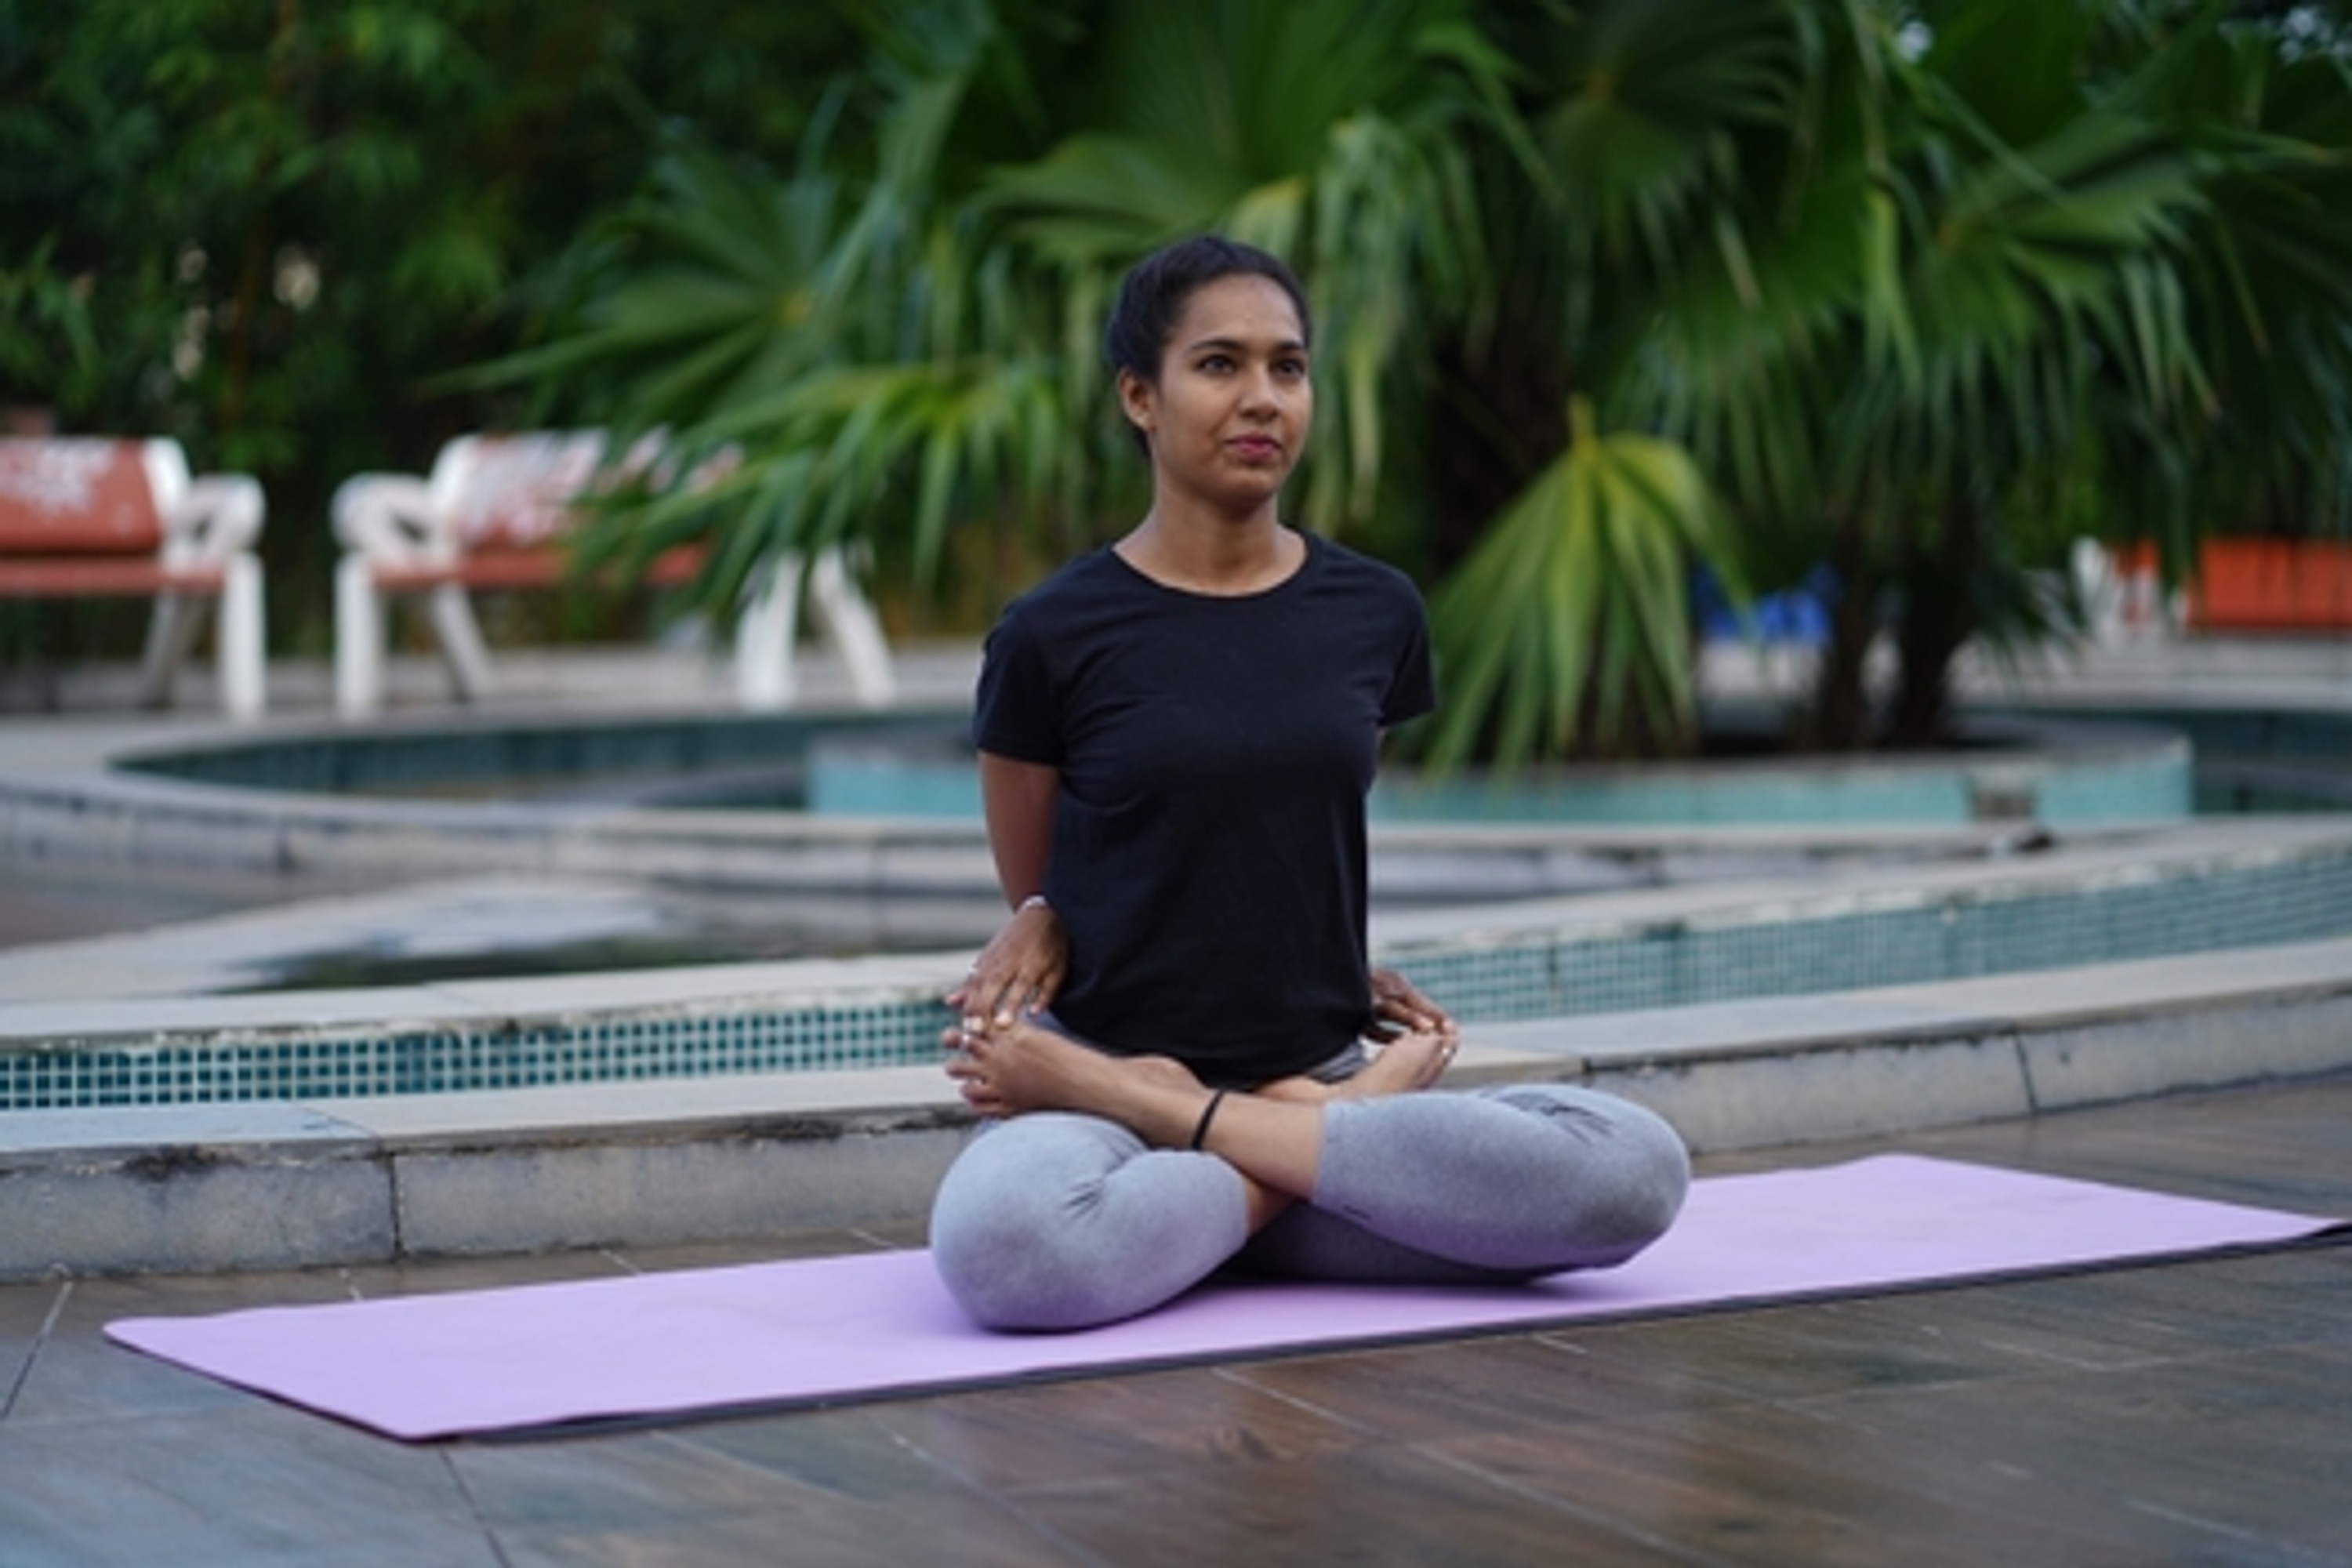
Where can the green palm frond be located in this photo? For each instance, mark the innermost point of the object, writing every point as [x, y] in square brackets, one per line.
[1331, 135]
[1569, 624]
[724, 296]
[1902, 284]
[1649, 98]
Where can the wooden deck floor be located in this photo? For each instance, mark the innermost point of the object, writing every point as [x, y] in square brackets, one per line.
[2197, 1413]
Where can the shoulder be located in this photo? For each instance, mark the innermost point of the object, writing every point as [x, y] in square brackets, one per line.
[1363, 579]
[1079, 587]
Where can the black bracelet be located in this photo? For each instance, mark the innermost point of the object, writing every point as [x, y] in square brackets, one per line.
[1208, 1114]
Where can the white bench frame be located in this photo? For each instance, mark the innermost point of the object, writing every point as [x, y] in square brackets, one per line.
[206, 524]
[391, 524]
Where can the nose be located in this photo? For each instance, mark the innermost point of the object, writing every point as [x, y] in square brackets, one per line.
[1260, 390]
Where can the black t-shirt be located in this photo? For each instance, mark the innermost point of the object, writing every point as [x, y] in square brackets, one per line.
[1209, 857]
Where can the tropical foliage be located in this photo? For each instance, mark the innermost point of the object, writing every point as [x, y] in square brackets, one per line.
[1918, 289]
[262, 229]
[2003, 309]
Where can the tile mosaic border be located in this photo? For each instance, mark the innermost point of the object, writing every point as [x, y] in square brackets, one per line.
[1780, 950]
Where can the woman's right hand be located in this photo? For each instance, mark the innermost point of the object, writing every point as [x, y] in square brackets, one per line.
[1018, 973]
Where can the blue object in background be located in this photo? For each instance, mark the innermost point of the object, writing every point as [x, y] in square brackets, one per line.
[1800, 614]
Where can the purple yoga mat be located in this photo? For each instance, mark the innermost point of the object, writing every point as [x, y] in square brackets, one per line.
[839, 1328]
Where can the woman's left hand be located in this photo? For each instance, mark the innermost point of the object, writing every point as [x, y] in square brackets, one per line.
[1399, 1008]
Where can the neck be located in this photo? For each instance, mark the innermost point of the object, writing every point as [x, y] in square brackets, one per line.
[1213, 554]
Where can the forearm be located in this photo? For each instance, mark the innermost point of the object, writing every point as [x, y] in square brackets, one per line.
[1018, 800]
[1021, 967]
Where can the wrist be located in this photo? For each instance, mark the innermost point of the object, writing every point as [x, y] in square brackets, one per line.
[1034, 901]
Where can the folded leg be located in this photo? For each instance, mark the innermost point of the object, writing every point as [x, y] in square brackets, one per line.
[1496, 1183]
[1054, 1220]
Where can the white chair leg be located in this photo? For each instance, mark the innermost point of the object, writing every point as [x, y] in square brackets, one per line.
[241, 636]
[461, 641]
[2100, 591]
[855, 630]
[764, 677]
[169, 634]
[359, 639]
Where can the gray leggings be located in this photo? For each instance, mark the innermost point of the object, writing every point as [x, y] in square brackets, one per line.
[1059, 1221]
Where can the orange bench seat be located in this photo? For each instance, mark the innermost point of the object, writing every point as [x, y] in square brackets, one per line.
[105, 516]
[493, 570]
[100, 578]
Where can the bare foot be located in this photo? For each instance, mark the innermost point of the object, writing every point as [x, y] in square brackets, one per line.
[1405, 1065]
[1009, 1069]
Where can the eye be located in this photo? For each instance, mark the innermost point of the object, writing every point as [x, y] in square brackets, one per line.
[1216, 364]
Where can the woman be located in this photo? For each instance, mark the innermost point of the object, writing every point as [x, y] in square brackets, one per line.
[1177, 735]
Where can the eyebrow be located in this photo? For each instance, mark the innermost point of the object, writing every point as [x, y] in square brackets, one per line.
[1286, 346]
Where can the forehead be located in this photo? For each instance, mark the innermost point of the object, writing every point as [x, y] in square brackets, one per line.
[1240, 307]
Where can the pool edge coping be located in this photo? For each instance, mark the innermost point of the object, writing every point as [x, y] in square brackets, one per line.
[282, 1184]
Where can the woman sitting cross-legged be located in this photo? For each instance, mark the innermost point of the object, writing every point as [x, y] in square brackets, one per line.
[1177, 736]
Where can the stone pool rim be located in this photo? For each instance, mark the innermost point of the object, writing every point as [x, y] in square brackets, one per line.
[280, 1185]
[2067, 769]
[2158, 892]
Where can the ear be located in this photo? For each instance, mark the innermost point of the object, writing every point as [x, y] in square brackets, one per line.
[1139, 401]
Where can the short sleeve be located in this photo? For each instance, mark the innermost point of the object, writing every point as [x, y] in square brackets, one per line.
[1014, 712]
[1413, 687]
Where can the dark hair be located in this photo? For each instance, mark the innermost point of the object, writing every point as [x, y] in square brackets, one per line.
[1152, 296]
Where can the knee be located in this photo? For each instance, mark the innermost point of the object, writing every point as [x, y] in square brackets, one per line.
[1625, 1185]
[1017, 1254]
[1008, 1268]
[1066, 1222]
[1647, 1176]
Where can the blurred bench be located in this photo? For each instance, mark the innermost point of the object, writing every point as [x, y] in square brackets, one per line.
[99, 517]
[2238, 584]
[494, 515]
[2271, 585]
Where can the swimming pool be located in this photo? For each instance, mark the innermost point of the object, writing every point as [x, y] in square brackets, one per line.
[919, 765]
[2128, 896]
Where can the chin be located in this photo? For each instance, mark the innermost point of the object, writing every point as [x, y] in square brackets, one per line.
[1240, 499]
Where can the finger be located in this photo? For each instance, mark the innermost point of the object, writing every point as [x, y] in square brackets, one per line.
[996, 999]
[1428, 1009]
[1405, 993]
[1420, 1023]
[1017, 998]
[1409, 999]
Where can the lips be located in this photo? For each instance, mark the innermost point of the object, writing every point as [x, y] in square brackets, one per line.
[1256, 449]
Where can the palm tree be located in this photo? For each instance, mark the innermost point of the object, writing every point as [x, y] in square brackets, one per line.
[1993, 308]
[907, 348]
[1915, 288]
[2270, 112]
